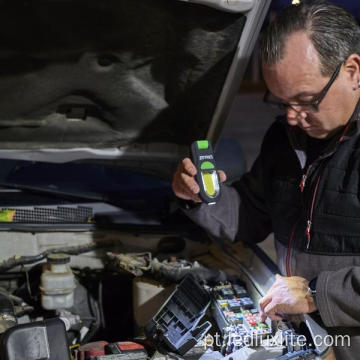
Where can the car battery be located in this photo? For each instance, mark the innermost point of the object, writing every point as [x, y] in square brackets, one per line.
[126, 347]
[126, 356]
[125, 350]
[90, 350]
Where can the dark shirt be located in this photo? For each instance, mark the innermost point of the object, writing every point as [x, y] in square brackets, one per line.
[314, 148]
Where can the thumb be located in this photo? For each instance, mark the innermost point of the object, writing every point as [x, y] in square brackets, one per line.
[222, 176]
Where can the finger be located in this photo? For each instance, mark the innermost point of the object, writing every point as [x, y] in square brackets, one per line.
[185, 193]
[176, 180]
[262, 316]
[222, 176]
[264, 301]
[192, 192]
[271, 309]
[180, 189]
[190, 183]
[184, 185]
[275, 317]
[188, 167]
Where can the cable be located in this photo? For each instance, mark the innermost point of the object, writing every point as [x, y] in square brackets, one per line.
[14, 261]
[101, 306]
[94, 307]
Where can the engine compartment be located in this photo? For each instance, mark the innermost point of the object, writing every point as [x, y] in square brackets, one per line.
[82, 292]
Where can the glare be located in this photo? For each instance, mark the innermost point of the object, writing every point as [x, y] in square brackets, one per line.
[296, 2]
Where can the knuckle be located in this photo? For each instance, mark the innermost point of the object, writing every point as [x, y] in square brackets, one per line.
[185, 181]
[185, 162]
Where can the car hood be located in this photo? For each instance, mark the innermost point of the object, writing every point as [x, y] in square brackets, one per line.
[119, 79]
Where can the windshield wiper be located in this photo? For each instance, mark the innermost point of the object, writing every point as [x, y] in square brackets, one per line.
[54, 192]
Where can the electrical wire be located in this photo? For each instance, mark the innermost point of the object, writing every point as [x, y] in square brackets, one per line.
[14, 261]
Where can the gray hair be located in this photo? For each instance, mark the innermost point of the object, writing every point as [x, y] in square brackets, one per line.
[334, 33]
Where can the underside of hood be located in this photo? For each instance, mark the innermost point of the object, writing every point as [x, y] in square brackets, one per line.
[108, 74]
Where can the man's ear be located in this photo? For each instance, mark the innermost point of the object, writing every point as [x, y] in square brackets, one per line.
[352, 67]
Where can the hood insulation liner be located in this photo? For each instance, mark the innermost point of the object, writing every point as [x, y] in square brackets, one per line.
[111, 73]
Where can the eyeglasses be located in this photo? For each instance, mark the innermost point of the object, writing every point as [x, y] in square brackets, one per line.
[313, 106]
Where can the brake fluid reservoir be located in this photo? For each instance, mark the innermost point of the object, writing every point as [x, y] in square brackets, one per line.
[57, 283]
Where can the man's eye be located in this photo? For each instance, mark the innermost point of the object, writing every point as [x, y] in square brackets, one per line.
[306, 100]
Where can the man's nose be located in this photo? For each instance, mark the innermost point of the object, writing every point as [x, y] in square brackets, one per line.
[294, 117]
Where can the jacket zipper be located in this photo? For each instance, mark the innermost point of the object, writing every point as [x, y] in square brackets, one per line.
[309, 221]
[288, 253]
[304, 178]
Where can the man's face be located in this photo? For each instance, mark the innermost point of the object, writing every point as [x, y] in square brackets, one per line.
[297, 79]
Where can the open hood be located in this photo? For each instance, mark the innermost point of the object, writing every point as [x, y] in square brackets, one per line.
[94, 79]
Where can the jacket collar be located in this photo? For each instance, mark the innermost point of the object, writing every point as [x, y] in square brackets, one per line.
[299, 139]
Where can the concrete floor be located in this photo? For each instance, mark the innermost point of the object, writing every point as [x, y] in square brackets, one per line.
[248, 121]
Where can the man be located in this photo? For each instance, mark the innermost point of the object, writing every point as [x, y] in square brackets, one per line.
[305, 184]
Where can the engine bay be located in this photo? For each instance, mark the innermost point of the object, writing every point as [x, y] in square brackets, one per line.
[76, 295]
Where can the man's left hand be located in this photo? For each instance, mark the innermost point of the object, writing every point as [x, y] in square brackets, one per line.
[288, 295]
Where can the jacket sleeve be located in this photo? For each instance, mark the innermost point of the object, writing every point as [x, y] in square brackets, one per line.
[221, 219]
[338, 297]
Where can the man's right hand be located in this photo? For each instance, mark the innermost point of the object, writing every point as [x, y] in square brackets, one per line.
[184, 184]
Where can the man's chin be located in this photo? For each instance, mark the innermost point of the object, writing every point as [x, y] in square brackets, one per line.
[315, 133]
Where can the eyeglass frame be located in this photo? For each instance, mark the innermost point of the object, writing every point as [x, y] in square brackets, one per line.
[313, 105]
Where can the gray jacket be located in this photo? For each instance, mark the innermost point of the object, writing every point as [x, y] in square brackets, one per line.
[252, 218]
